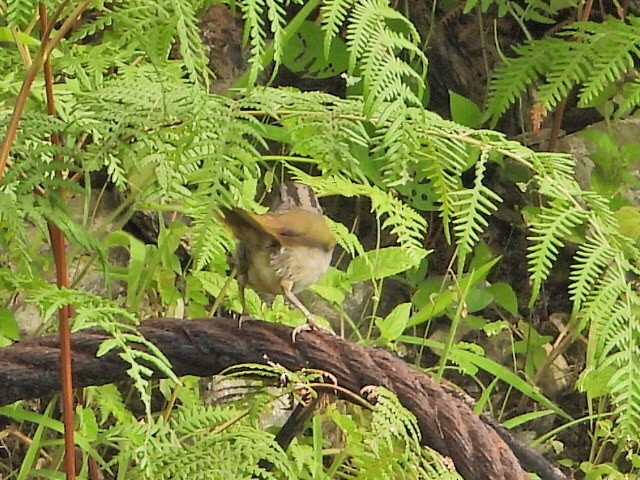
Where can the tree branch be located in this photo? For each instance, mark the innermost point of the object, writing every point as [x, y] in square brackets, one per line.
[207, 346]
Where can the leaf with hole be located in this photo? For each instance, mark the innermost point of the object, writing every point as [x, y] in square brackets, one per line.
[302, 56]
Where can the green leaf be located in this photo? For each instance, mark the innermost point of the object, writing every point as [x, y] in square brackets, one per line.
[554, 222]
[478, 275]
[332, 286]
[20, 414]
[382, 263]
[436, 306]
[88, 425]
[300, 54]
[8, 324]
[596, 381]
[504, 296]
[19, 12]
[494, 328]
[137, 269]
[106, 346]
[7, 36]
[30, 458]
[464, 111]
[526, 417]
[493, 368]
[394, 324]
[477, 299]
[472, 206]
[481, 255]
[629, 220]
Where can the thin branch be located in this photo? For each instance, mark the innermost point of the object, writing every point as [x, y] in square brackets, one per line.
[45, 50]
[58, 247]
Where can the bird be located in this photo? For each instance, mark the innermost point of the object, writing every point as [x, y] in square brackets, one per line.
[283, 251]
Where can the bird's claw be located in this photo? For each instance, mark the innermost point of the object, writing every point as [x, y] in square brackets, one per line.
[308, 326]
[242, 318]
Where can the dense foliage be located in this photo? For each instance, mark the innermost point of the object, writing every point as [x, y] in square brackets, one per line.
[133, 101]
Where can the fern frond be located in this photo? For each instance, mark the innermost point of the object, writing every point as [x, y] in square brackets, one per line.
[18, 242]
[328, 140]
[620, 354]
[471, 207]
[396, 148]
[374, 45]
[115, 171]
[568, 68]
[404, 222]
[620, 335]
[615, 48]
[511, 79]
[602, 54]
[365, 24]
[252, 13]
[393, 450]
[625, 387]
[591, 259]
[389, 80]
[630, 98]
[146, 28]
[333, 13]
[606, 221]
[595, 310]
[389, 412]
[210, 239]
[110, 404]
[276, 14]
[92, 26]
[443, 169]
[143, 357]
[191, 47]
[553, 166]
[213, 443]
[19, 12]
[552, 225]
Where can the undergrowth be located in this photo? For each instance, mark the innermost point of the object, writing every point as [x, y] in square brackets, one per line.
[129, 109]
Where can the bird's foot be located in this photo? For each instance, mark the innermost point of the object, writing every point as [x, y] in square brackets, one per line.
[242, 318]
[309, 326]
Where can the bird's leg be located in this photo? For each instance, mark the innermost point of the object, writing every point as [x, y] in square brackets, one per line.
[311, 323]
[245, 312]
[293, 299]
[223, 292]
[242, 263]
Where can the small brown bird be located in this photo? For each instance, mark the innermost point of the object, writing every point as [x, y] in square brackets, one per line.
[284, 251]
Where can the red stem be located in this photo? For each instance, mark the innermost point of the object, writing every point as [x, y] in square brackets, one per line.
[62, 278]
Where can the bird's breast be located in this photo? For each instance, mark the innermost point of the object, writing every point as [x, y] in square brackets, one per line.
[265, 268]
[303, 265]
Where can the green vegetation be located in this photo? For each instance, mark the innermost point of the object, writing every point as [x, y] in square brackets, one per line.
[133, 102]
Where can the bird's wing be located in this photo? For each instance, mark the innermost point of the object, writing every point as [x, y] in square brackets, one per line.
[295, 227]
[289, 224]
[247, 227]
[289, 228]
